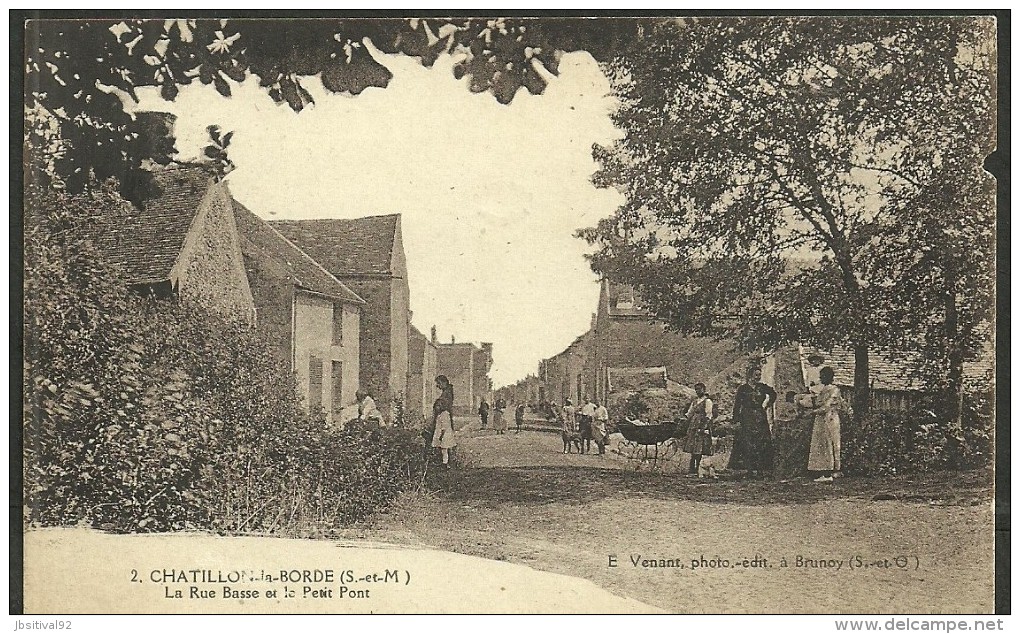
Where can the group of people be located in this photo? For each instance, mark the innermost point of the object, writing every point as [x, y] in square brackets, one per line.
[753, 449]
[499, 424]
[590, 422]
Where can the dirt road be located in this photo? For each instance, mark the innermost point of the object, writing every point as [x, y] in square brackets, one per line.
[906, 545]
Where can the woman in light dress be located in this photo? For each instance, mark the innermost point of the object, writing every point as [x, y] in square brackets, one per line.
[443, 437]
[825, 446]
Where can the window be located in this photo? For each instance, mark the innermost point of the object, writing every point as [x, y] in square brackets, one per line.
[338, 325]
[314, 384]
[337, 387]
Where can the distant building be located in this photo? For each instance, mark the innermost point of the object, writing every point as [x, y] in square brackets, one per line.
[421, 376]
[527, 391]
[563, 376]
[367, 255]
[626, 337]
[182, 242]
[467, 366]
[311, 319]
[894, 384]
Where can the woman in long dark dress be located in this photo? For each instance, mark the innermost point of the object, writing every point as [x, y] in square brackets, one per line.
[752, 447]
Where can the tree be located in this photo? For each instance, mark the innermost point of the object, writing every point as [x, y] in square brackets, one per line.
[80, 73]
[770, 166]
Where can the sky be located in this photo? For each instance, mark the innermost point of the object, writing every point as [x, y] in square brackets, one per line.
[490, 195]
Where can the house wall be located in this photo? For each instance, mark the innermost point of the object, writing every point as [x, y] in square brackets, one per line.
[376, 339]
[211, 270]
[637, 343]
[421, 387]
[455, 361]
[400, 317]
[399, 335]
[316, 350]
[273, 294]
[480, 383]
[351, 357]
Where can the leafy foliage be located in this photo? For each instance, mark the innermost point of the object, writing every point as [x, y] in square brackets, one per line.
[891, 442]
[146, 415]
[799, 179]
[81, 73]
[216, 151]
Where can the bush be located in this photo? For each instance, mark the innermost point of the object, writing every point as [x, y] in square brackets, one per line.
[891, 442]
[650, 405]
[145, 415]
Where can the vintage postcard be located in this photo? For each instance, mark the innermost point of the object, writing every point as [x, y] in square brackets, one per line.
[510, 315]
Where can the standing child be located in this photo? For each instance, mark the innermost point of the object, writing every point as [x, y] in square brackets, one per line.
[519, 416]
[699, 416]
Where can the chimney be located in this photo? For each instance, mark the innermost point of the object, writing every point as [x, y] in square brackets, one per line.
[434, 340]
[156, 135]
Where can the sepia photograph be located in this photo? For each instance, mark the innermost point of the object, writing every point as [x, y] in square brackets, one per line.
[648, 314]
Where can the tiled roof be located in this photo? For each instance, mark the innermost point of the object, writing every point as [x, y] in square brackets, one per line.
[357, 246]
[145, 243]
[259, 239]
[886, 372]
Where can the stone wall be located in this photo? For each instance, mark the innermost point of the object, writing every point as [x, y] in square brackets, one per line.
[326, 365]
[399, 336]
[211, 270]
[273, 293]
[638, 343]
[455, 361]
[375, 339]
[421, 386]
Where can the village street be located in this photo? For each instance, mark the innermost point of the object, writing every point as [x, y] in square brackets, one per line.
[518, 498]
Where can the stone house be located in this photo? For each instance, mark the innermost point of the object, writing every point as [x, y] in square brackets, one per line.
[467, 366]
[367, 255]
[526, 390]
[182, 242]
[894, 385]
[563, 375]
[311, 319]
[626, 337]
[421, 376]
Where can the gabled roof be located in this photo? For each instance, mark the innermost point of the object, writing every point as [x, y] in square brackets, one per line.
[346, 247]
[886, 372]
[146, 243]
[259, 239]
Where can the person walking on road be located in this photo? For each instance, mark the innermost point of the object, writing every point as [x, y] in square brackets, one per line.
[483, 413]
[519, 416]
[569, 415]
[498, 420]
